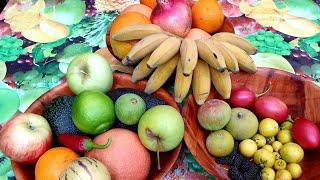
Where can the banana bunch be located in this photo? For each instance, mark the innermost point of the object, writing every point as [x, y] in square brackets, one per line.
[197, 62]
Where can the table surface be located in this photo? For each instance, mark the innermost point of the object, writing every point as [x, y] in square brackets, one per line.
[29, 67]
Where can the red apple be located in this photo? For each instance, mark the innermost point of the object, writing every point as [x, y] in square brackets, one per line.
[25, 138]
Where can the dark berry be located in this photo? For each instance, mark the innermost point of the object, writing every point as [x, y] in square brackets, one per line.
[250, 175]
[228, 160]
[235, 174]
[238, 160]
[246, 165]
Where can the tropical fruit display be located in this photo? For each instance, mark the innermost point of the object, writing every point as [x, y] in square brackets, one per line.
[255, 135]
[96, 133]
[182, 38]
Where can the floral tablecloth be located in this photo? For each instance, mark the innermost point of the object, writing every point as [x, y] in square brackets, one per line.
[285, 32]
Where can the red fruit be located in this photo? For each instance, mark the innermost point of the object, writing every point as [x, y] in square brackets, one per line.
[271, 107]
[80, 143]
[306, 133]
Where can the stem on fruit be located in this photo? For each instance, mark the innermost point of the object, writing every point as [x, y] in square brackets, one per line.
[92, 145]
[240, 115]
[158, 155]
[266, 91]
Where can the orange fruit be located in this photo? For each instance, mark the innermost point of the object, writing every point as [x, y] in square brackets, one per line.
[140, 8]
[51, 164]
[121, 48]
[125, 158]
[196, 33]
[207, 15]
[151, 3]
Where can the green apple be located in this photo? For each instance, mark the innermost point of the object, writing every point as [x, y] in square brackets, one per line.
[89, 71]
[161, 128]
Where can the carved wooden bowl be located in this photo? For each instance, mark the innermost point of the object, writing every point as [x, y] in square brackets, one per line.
[167, 159]
[301, 96]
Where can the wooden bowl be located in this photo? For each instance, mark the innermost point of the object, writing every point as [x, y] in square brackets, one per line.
[301, 96]
[26, 172]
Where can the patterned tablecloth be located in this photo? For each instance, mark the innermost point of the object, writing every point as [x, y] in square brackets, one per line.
[285, 32]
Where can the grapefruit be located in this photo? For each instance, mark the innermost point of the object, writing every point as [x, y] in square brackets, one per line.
[126, 157]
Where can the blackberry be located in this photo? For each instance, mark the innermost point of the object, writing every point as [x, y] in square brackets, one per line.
[250, 175]
[235, 174]
[238, 159]
[228, 160]
[235, 148]
[246, 165]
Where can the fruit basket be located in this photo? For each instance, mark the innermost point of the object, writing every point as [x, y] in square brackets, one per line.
[301, 96]
[26, 172]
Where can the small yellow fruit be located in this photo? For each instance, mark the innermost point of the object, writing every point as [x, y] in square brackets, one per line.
[276, 155]
[276, 146]
[268, 174]
[283, 175]
[270, 140]
[264, 158]
[286, 125]
[247, 148]
[284, 136]
[280, 164]
[259, 139]
[268, 147]
[295, 170]
[268, 127]
[291, 152]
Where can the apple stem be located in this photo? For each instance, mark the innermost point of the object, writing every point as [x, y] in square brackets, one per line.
[158, 155]
[266, 91]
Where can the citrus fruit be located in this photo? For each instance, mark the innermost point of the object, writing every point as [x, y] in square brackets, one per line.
[268, 127]
[120, 48]
[53, 162]
[220, 143]
[140, 8]
[207, 15]
[129, 108]
[150, 3]
[125, 158]
[93, 112]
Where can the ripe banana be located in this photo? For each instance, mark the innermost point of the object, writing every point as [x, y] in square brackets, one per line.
[144, 47]
[182, 84]
[230, 59]
[209, 53]
[161, 75]
[201, 82]
[136, 32]
[189, 56]
[222, 82]
[244, 60]
[164, 52]
[141, 71]
[236, 40]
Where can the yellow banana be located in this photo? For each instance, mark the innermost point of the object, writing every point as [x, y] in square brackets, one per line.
[230, 59]
[236, 40]
[141, 71]
[244, 60]
[138, 31]
[182, 84]
[222, 82]
[209, 53]
[189, 56]
[161, 75]
[201, 82]
[144, 47]
[164, 52]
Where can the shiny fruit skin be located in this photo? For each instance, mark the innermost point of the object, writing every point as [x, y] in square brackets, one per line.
[306, 133]
[268, 127]
[295, 170]
[267, 174]
[264, 158]
[283, 175]
[291, 153]
[259, 139]
[242, 97]
[284, 136]
[271, 107]
[220, 143]
[248, 147]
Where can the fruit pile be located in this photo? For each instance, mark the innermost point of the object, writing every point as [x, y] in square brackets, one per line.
[160, 43]
[256, 137]
[126, 126]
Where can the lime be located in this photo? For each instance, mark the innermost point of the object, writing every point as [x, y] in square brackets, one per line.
[93, 112]
[129, 108]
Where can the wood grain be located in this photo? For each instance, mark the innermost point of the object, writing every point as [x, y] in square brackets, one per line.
[23, 172]
[300, 94]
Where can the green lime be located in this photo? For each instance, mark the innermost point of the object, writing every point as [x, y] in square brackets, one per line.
[129, 108]
[93, 112]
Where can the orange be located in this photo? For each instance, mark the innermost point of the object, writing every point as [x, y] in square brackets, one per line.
[196, 33]
[151, 3]
[121, 48]
[143, 9]
[207, 15]
[51, 164]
